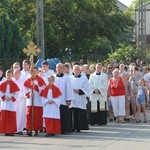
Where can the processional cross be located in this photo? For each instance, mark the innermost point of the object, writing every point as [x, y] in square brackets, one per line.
[31, 51]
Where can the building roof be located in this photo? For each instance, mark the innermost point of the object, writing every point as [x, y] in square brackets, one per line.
[121, 6]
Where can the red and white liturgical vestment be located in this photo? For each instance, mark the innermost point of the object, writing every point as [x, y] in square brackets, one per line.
[1, 80]
[34, 119]
[8, 108]
[51, 112]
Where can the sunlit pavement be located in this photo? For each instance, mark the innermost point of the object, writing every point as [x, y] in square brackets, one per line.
[114, 136]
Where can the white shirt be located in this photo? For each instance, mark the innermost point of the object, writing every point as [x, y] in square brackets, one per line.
[47, 74]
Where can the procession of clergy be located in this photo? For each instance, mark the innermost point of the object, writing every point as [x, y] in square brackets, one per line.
[53, 101]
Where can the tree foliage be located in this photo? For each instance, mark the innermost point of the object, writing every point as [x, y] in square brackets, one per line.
[11, 41]
[124, 53]
[79, 25]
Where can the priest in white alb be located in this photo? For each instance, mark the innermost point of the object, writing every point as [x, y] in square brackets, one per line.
[98, 94]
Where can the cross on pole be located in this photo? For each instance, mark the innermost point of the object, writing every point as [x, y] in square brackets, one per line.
[32, 50]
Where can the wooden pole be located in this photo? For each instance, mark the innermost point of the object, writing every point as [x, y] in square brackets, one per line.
[40, 28]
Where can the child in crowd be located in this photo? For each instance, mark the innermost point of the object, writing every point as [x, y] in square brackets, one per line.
[141, 100]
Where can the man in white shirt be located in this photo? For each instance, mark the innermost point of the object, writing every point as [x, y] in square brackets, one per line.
[47, 72]
[25, 72]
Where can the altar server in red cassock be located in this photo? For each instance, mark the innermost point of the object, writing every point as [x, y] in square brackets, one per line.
[8, 93]
[51, 99]
[2, 78]
[33, 88]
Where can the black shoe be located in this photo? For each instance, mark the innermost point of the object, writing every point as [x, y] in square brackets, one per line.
[41, 131]
[78, 131]
[62, 132]
[145, 121]
[52, 134]
[29, 133]
[110, 120]
[6, 134]
[127, 120]
[11, 134]
[47, 135]
[21, 133]
[35, 133]
[138, 121]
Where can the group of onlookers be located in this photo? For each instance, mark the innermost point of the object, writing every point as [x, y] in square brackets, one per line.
[132, 82]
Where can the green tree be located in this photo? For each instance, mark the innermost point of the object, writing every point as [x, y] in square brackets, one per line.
[78, 25]
[24, 12]
[11, 41]
[124, 53]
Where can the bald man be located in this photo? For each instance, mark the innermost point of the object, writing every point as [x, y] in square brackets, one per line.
[81, 90]
[62, 81]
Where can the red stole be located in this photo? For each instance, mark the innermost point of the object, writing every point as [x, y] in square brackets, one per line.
[39, 80]
[55, 91]
[13, 86]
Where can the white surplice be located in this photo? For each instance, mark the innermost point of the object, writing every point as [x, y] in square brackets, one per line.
[79, 101]
[98, 82]
[21, 106]
[51, 110]
[65, 87]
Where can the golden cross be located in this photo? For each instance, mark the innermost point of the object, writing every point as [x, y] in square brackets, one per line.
[31, 50]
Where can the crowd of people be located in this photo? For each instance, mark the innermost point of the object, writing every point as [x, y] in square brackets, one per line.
[57, 102]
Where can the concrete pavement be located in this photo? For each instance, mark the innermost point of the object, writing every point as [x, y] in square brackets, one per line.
[114, 136]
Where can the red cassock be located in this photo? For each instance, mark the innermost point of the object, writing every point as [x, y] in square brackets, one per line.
[8, 108]
[34, 120]
[51, 112]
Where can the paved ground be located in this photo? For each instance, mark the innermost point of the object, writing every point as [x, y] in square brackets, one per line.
[114, 136]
